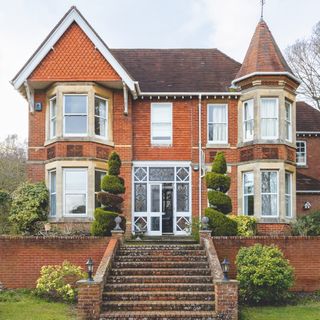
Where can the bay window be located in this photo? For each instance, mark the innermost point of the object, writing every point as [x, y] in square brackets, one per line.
[269, 118]
[53, 192]
[75, 107]
[100, 117]
[161, 123]
[53, 117]
[75, 191]
[248, 120]
[288, 121]
[248, 193]
[217, 123]
[301, 155]
[269, 193]
[288, 194]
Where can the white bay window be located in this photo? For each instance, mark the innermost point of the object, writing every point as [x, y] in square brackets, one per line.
[161, 123]
[269, 194]
[100, 117]
[269, 118]
[248, 193]
[53, 117]
[288, 120]
[218, 123]
[53, 192]
[288, 194]
[248, 120]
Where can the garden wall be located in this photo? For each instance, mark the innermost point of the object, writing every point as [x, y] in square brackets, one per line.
[302, 252]
[21, 258]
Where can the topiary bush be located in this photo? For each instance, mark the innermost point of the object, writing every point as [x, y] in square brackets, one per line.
[308, 225]
[220, 224]
[29, 205]
[110, 198]
[59, 282]
[264, 274]
[219, 183]
[5, 202]
[246, 226]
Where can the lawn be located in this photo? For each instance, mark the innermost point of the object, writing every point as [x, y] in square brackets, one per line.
[305, 311]
[22, 305]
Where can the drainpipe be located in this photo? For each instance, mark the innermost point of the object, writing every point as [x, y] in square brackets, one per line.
[200, 158]
[125, 98]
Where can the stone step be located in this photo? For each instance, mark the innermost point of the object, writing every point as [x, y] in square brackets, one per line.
[161, 272]
[159, 315]
[158, 306]
[160, 246]
[160, 264]
[168, 252]
[158, 296]
[159, 287]
[160, 279]
[159, 258]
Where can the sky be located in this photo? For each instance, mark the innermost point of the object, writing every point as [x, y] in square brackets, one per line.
[224, 24]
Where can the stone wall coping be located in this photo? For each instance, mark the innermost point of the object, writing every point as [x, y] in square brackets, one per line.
[20, 237]
[267, 238]
[227, 282]
[85, 282]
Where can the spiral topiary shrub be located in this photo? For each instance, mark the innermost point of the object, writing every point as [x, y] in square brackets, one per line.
[110, 198]
[220, 224]
[218, 184]
[264, 274]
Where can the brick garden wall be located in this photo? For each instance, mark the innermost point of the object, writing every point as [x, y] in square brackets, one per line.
[21, 258]
[302, 252]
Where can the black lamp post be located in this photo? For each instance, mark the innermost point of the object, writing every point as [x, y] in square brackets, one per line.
[89, 265]
[225, 265]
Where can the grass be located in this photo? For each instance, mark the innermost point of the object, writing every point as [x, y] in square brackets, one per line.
[306, 311]
[23, 305]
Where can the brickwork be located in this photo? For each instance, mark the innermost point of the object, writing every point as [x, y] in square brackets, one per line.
[23, 257]
[303, 254]
[273, 229]
[314, 200]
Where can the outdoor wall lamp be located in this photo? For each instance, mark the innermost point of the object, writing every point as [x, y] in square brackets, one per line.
[225, 265]
[89, 265]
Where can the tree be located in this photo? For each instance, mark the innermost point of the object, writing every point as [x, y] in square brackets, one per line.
[110, 197]
[13, 159]
[304, 59]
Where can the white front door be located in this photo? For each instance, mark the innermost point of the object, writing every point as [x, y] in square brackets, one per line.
[155, 203]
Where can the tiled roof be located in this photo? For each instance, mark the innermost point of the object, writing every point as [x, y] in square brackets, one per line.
[263, 54]
[308, 118]
[179, 70]
[306, 183]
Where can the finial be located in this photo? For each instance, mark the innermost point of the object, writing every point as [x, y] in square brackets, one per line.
[263, 2]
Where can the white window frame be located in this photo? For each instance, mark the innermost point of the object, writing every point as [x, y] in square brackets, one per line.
[52, 193]
[305, 152]
[52, 119]
[288, 195]
[156, 141]
[247, 194]
[106, 119]
[211, 105]
[64, 192]
[288, 121]
[75, 114]
[247, 120]
[277, 118]
[269, 193]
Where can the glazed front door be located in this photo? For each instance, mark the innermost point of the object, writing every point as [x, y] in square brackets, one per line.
[155, 221]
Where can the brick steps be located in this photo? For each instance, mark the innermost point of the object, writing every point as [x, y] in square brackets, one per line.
[158, 305]
[160, 264]
[158, 296]
[158, 315]
[160, 258]
[168, 252]
[159, 279]
[137, 247]
[161, 272]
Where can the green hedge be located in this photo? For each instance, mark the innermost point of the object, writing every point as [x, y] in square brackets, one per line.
[308, 225]
[220, 201]
[220, 224]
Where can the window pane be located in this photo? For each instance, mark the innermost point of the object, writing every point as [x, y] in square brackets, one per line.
[155, 223]
[269, 128]
[140, 197]
[100, 126]
[53, 128]
[269, 204]
[269, 108]
[248, 129]
[219, 113]
[182, 197]
[52, 177]
[75, 181]
[53, 107]
[100, 107]
[217, 126]
[248, 183]
[98, 175]
[53, 203]
[161, 131]
[219, 132]
[161, 113]
[269, 182]
[301, 153]
[248, 110]
[75, 104]
[161, 174]
[155, 198]
[75, 124]
[53, 182]
[75, 204]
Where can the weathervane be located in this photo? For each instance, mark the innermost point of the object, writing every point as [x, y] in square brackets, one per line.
[263, 2]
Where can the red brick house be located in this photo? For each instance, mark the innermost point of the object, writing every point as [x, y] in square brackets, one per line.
[166, 112]
[308, 164]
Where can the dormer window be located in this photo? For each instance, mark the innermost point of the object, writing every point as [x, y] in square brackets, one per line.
[269, 118]
[75, 110]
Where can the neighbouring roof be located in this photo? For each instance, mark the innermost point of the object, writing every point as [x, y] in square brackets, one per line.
[307, 118]
[179, 70]
[263, 54]
[306, 183]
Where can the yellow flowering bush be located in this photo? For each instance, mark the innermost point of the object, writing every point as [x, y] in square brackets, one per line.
[59, 282]
[246, 225]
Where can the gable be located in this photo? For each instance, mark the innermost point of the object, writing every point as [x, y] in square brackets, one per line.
[74, 57]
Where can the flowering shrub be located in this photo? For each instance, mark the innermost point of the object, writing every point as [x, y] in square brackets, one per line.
[59, 282]
[246, 226]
